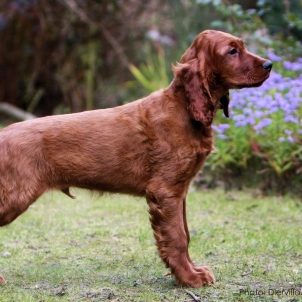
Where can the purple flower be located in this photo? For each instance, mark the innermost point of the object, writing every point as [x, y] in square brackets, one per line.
[258, 114]
[220, 128]
[224, 126]
[241, 123]
[262, 124]
[222, 136]
[215, 128]
[290, 118]
[287, 65]
[295, 66]
[247, 111]
[250, 120]
[239, 117]
[268, 108]
[273, 57]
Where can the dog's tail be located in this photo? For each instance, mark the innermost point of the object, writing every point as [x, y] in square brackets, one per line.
[67, 192]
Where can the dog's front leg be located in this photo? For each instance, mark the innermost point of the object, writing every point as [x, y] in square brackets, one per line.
[171, 233]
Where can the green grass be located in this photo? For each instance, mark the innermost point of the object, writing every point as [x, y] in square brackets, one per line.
[94, 249]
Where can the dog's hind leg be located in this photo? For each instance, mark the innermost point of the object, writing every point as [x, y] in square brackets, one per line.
[21, 183]
[14, 200]
[24, 172]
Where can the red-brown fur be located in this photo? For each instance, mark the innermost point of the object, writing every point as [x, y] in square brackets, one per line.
[151, 147]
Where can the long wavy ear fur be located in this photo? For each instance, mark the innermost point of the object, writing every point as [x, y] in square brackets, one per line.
[191, 71]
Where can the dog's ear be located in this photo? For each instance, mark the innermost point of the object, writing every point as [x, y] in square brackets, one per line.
[224, 104]
[193, 71]
[200, 104]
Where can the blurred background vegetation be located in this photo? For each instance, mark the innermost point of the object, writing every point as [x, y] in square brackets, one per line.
[71, 55]
[65, 56]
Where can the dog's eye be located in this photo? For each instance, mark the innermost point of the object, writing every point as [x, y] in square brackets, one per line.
[233, 51]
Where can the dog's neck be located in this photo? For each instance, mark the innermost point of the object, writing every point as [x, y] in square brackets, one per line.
[176, 88]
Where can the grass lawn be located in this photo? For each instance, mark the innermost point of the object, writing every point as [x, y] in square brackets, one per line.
[96, 249]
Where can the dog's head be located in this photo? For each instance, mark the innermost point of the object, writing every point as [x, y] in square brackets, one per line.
[214, 63]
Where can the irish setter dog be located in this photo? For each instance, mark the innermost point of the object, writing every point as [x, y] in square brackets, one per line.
[152, 147]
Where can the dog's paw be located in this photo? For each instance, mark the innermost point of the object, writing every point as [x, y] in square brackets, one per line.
[199, 277]
[206, 274]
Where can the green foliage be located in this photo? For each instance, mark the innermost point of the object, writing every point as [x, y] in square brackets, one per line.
[91, 61]
[153, 74]
[283, 20]
[232, 17]
[282, 16]
[264, 133]
[54, 54]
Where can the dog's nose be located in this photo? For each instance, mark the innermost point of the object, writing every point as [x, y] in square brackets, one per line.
[267, 65]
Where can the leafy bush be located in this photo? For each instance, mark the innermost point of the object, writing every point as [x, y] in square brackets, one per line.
[152, 75]
[265, 127]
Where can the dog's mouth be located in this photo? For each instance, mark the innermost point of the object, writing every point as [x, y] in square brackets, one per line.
[250, 85]
[253, 81]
